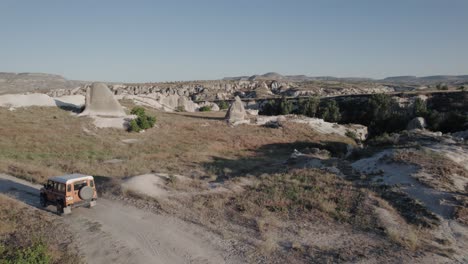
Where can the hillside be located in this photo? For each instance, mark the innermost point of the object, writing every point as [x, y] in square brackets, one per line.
[28, 82]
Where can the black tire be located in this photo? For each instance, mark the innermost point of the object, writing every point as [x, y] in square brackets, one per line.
[43, 201]
[59, 207]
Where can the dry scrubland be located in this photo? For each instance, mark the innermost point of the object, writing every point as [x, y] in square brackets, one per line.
[40, 142]
[270, 209]
[28, 235]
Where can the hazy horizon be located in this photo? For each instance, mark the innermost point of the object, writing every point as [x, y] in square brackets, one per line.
[152, 41]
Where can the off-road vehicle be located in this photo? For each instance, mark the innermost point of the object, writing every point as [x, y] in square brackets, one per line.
[69, 191]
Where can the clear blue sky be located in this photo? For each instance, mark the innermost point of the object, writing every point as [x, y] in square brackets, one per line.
[192, 40]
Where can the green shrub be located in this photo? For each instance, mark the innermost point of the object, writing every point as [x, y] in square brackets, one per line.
[223, 105]
[36, 253]
[138, 110]
[308, 107]
[420, 107]
[285, 106]
[205, 108]
[330, 112]
[143, 121]
[279, 107]
[134, 126]
[180, 109]
[385, 116]
[380, 107]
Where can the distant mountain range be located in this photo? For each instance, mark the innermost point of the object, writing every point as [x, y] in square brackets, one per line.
[28, 82]
[434, 79]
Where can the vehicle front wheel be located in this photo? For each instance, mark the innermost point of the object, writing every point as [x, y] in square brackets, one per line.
[43, 201]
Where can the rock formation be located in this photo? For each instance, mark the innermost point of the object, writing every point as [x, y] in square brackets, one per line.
[416, 123]
[101, 102]
[236, 113]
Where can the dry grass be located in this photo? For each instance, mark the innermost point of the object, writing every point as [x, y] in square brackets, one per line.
[23, 227]
[283, 216]
[409, 239]
[306, 194]
[39, 142]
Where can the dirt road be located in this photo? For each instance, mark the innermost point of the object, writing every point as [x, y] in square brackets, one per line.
[115, 233]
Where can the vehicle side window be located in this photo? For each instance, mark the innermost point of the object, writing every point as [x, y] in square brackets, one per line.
[56, 186]
[61, 187]
[91, 183]
[79, 185]
[69, 188]
[50, 184]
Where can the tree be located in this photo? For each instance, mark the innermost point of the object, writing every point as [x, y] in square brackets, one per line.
[330, 112]
[308, 107]
[268, 108]
[420, 107]
[285, 107]
[384, 115]
[380, 107]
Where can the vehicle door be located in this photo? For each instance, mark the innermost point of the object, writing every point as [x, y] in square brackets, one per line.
[50, 191]
[58, 191]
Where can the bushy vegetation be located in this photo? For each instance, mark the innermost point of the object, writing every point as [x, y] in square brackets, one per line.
[36, 253]
[205, 108]
[420, 107]
[278, 107]
[446, 122]
[143, 121]
[384, 115]
[330, 111]
[308, 107]
[31, 236]
[223, 105]
[441, 86]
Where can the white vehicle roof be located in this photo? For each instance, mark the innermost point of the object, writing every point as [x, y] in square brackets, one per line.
[71, 178]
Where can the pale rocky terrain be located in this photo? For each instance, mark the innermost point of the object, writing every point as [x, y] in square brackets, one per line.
[232, 186]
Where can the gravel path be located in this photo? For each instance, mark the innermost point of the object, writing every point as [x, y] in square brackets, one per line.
[113, 232]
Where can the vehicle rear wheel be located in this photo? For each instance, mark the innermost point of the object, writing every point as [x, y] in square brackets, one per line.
[43, 201]
[60, 207]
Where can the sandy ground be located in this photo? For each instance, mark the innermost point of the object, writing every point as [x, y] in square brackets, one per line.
[112, 122]
[113, 232]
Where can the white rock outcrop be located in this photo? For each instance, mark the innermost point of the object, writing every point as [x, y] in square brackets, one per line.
[100, 101]
[318, 125]
[236, 113]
